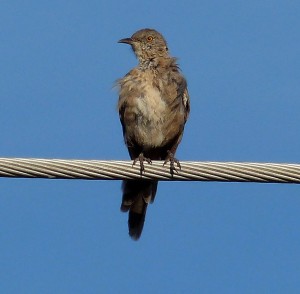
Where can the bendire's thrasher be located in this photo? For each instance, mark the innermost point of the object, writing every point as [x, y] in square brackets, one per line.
[153, 107]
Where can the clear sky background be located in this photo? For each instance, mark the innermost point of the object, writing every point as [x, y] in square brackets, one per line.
[59, 61]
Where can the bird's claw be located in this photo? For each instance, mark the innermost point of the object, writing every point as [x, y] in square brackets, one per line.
[170, 158]
[141, 158]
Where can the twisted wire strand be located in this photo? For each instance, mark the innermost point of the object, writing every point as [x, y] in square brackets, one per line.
[119, 170]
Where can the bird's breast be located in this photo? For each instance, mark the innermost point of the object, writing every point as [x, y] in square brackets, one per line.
[151, 106]
[152, 114]
[151, 110]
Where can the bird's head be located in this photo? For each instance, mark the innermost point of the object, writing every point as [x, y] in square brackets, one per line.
[147, 44]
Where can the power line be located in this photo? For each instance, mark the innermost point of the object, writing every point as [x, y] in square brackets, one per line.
[118, 170]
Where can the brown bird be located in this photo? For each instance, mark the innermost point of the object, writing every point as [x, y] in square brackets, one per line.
[153, 107]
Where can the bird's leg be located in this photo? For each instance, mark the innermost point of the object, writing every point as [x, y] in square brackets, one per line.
[141, 158]
[170, 158]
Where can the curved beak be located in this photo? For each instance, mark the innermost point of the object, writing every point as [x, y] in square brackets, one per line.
[126, 41]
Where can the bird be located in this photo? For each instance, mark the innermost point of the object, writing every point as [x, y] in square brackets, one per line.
[153, 107]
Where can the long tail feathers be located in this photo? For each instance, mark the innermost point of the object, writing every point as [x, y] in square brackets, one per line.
[136, 196]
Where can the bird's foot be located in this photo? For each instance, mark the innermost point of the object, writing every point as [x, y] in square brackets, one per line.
[170, 158]
[141, 158]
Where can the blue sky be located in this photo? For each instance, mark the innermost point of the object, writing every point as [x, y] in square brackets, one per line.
[59, 61]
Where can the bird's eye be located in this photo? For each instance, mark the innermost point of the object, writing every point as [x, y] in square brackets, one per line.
[149, 38]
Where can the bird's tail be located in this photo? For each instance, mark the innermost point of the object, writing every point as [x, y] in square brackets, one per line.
[136, 196]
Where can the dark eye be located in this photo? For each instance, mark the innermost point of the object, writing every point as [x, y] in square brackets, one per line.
[149, 38]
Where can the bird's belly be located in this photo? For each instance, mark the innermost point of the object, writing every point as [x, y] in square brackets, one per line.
[151, 113]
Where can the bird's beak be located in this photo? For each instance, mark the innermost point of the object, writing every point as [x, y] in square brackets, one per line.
[126, 41]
